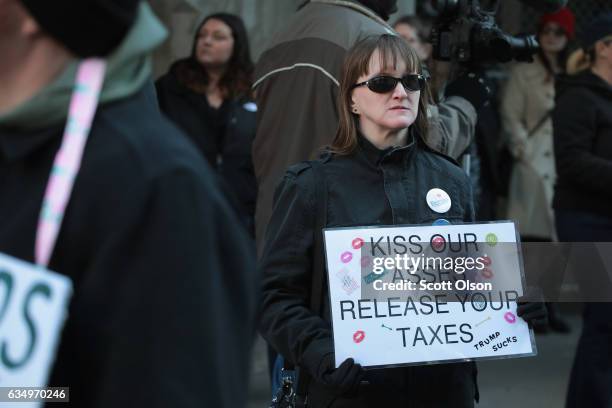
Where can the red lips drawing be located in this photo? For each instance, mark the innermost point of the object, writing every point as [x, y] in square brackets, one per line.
[359, 336]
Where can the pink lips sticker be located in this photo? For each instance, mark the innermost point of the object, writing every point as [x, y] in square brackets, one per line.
[357, 243]
[487, 273]
[510, 317]
[346, 257]
[359, 336]
[486, 260]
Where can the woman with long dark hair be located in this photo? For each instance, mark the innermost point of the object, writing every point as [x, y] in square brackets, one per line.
[208, 95]
[378, 171]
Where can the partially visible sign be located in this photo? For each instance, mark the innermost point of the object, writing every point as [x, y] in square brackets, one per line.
[33, 309]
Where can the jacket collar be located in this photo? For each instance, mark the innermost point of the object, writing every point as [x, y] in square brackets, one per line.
[376, 156]
[586, 79]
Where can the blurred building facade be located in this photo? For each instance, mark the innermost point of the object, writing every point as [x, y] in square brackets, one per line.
[261, 17]
[264, 17]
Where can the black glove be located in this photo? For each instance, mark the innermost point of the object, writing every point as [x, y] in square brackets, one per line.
[346, 378]
[471, 87]
[534, 313]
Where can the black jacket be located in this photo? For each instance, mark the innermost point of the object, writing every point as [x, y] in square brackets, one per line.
[582, 123]
[224, 137]
[369, 187]
[164, 285]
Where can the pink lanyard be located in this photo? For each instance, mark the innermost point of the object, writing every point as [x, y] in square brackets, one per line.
[83, 104]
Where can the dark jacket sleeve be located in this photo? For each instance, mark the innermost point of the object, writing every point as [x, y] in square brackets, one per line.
[160, 92]
[286, 320]
[575, 130]
[184, 310]
[470, 210]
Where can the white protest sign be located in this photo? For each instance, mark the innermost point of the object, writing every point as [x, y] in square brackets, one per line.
[33, 309]
[385, 310]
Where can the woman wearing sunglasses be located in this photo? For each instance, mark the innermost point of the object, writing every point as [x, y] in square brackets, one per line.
[377, 171]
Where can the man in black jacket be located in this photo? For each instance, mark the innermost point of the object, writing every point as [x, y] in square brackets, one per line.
[582, 123]
[164, 283]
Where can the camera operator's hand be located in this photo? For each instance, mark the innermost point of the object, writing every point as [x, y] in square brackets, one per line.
[533, 312]
[471, 87]
[346, 378]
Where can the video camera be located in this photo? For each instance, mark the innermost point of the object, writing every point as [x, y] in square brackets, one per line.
[466, 33]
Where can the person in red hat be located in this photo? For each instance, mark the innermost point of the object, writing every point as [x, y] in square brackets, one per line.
[526, 109]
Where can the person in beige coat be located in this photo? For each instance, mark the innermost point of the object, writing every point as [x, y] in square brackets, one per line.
[526, 108]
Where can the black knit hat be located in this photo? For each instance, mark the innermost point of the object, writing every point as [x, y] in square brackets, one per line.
[86, 27]
[597, 29]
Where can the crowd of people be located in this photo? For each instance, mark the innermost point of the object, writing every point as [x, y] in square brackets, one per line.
[194, 217]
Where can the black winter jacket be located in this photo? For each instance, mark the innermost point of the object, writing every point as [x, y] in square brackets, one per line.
[369, 187]
[582, 123]
[229, 153]
[164, 288]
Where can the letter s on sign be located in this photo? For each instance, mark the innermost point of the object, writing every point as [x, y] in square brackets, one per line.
[39, 288]
[7, 281]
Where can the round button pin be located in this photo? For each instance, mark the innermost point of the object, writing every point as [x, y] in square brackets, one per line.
[438, 200]
[441, 221]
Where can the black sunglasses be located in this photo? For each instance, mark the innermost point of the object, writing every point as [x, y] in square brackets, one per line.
[385, 83]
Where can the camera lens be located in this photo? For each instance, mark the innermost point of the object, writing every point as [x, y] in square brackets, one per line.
[505, 48]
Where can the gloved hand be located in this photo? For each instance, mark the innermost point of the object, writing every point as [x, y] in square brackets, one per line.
[471, 87]
[346, 378]
[534, 313]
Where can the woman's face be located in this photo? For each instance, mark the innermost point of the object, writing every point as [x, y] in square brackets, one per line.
[552, 38]
[603, 51]
[215, 44]
[390, 111]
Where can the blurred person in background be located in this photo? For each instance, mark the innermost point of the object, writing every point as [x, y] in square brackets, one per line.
[208, 95]
[582, 122]
[163, 275]
[416, 31]
[526, 108]
[413, 30]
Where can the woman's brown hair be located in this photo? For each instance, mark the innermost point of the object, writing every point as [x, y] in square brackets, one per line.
[237, 80]
[391, 49]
